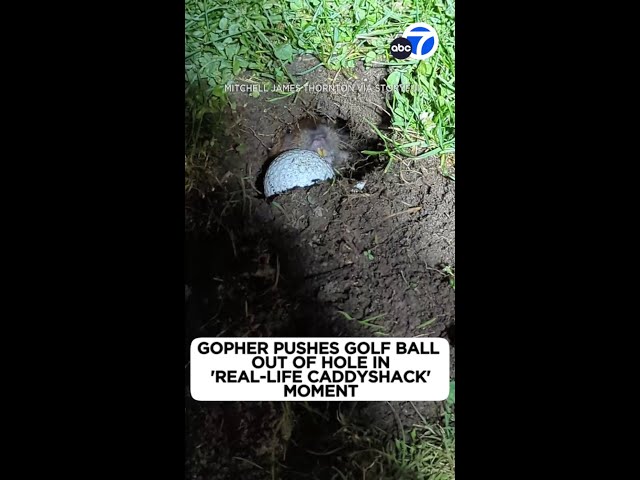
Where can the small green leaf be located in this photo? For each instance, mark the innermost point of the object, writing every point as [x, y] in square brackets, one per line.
[218, 91]
[296, 5]
[393, 79]
[284, 52]
[224, 22]
[231, 50]
[239, 64]
[425, 68]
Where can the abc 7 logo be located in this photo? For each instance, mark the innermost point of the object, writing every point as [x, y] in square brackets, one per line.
[401, 48]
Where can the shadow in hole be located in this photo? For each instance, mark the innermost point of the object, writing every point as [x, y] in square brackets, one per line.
[451, 334]
[359, 165]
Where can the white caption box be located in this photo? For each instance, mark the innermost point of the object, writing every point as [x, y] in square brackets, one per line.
[348, 369]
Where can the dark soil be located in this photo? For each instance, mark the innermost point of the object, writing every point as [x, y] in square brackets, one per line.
[289, 266]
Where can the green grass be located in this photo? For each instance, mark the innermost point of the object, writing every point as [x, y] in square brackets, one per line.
[429, 455]
[257, 38]
[426, 452]
[451, 274]
[368, 323]
[429, 452]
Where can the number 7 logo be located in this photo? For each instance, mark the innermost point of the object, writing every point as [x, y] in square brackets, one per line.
[423, 39]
